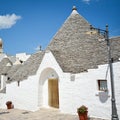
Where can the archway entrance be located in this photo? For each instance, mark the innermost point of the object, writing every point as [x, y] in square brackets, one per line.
[53, 93]
[49, 88]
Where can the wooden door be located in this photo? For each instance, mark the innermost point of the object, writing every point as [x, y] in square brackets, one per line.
[53, 93]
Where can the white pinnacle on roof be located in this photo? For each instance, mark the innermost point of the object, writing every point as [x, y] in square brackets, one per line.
[74, 10]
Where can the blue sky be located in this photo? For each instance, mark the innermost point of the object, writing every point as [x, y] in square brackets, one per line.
[26, 24]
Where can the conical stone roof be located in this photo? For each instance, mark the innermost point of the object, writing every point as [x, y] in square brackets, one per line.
[29, 67]
[74, 49]
[21, 72]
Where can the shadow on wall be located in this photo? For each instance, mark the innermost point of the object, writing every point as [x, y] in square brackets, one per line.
[103, 96]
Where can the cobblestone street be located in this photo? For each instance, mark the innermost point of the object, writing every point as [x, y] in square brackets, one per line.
[42, 114]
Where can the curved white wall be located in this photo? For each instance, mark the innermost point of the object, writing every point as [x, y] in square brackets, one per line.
[49, 68]
[74, 89]
[78, 89]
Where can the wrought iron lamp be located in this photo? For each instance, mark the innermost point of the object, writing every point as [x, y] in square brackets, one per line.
[105, 35]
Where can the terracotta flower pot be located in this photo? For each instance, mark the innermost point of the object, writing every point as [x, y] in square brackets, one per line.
[9, 104]
[83, 116]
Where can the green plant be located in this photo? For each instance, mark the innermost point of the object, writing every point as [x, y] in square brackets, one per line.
[82, 109]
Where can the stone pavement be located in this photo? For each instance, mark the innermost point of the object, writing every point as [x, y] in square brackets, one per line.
[42, 114]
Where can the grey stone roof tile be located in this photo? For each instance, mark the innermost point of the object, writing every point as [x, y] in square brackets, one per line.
[115, 48]
[21, 71]
[29, 67]
[75, 50]
[3, 66]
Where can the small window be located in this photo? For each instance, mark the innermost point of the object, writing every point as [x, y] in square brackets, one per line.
[102, 85]
[18, 83]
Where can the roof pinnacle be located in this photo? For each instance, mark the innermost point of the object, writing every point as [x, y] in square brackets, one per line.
[74, 8]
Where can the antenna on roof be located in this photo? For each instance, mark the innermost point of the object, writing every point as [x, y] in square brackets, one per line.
[39, 48]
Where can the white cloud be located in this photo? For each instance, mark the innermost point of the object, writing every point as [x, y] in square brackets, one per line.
[7, 21]
[86, 1]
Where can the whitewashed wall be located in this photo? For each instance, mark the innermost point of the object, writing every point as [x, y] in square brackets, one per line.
[84, 91]
[74, 90]
[49, 68]
[80, 89]
[22, 56]
[24, 96]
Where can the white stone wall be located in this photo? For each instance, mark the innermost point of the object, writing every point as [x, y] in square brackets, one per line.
[80, 89]
[84, 91]
[74, 89]
[49, 68]
[24, 96]
[22, 56]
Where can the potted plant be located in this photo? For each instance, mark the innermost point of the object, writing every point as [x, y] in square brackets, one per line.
[82, 112]
[9, 104]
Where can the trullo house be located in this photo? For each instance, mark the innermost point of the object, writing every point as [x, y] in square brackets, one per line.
[72, 71]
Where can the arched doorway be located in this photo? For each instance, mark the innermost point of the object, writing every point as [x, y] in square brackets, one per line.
[49, 88]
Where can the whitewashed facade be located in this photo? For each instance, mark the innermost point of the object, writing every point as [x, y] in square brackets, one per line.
[29, 83]
[74, 89]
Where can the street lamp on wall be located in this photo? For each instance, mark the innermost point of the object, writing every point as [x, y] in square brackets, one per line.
[105, 35]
